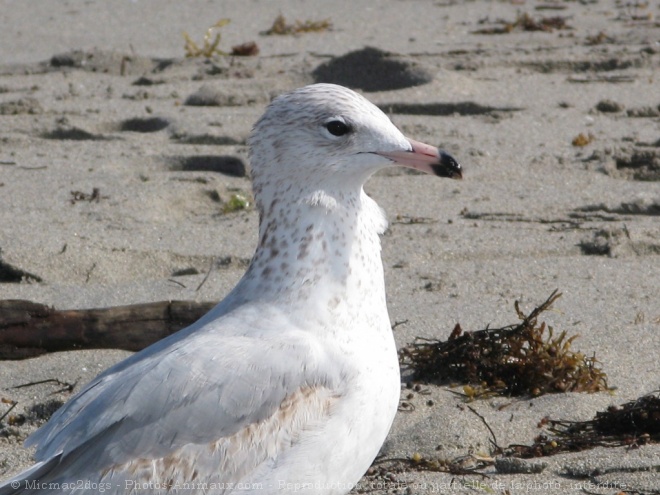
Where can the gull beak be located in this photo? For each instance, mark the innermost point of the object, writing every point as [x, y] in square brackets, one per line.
[428, 159]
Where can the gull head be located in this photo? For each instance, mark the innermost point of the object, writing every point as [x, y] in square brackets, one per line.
[325, 136]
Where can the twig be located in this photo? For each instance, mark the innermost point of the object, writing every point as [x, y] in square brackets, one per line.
[492, 433]
[67, 387]
[208, 273]
[176, 282]
[89, 272]
[13, 405]
[398, 323]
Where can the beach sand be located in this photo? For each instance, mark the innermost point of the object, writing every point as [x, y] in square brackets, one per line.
[93, 95]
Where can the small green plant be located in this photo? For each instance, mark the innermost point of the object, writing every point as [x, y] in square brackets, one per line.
[237, 202]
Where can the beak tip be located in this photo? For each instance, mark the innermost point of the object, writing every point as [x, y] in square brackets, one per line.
[448, 167]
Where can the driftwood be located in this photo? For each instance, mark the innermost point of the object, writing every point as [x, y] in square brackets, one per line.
[29, 329]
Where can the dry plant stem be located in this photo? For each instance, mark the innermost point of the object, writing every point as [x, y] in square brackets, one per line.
[493, 440]
[210, 46]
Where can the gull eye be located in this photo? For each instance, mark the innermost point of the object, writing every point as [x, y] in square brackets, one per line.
[337, 128]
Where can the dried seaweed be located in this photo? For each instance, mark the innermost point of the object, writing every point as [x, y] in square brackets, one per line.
[599, 39]
[547, 24]
[210, 45]
[248, 49]
[460, 466]
[525, 22]
[281, 27]
[583, 139]
[632, 424]
[522, 359]
[93, 197]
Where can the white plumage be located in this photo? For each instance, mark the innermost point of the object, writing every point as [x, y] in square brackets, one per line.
[291, 383]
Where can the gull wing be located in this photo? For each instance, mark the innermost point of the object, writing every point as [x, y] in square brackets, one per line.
[203, 388]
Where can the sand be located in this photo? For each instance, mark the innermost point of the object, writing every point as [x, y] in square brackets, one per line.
[93, 95]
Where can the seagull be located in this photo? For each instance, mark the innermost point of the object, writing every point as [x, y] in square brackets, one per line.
[291, 383]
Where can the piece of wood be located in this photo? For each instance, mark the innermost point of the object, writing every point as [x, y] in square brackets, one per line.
[28, 329]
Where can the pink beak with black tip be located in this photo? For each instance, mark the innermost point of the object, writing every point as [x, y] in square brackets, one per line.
[428, 159]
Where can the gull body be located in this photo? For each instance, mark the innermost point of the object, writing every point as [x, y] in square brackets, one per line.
[291, 383]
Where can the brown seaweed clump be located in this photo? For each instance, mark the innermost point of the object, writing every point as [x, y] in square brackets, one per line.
[525, 22]
[281, 27]
[522, 359]
[583, 139]
[632, 424]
